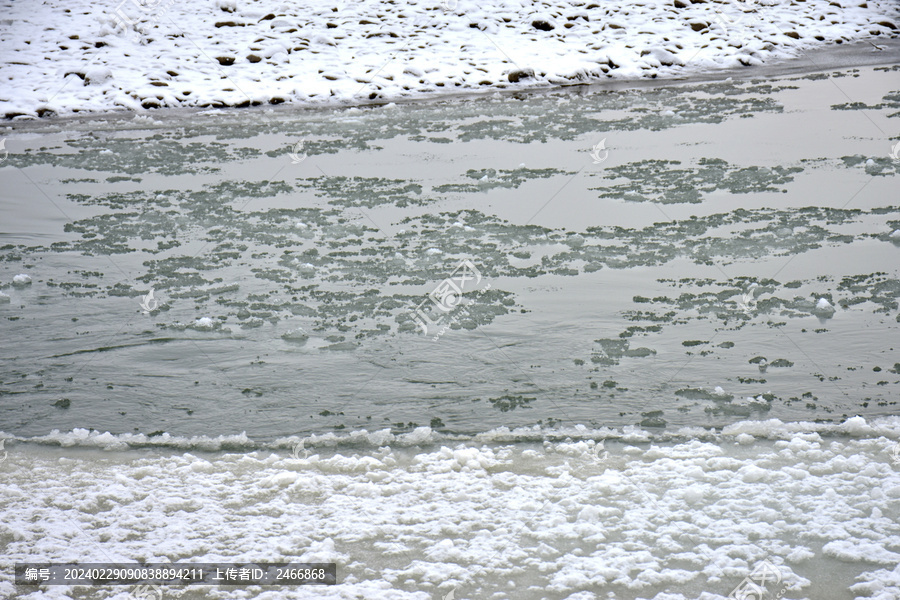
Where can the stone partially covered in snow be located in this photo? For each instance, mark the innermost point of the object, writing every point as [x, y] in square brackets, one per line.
[4, 298]
[97, 75]
[517, 75]
[22, 280]
[661, 57]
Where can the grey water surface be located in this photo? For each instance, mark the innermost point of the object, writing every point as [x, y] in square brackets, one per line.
[635, 250]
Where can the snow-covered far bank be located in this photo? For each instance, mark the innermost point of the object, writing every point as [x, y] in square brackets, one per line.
[59, 57]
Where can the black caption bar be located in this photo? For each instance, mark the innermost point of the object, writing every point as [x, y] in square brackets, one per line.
[176, 573]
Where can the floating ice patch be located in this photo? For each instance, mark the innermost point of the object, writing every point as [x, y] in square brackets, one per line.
[658, 181]
[297, 336]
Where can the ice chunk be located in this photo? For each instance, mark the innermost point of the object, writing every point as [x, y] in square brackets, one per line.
[752, 473]
[693, 494]
[856, 426]
[204, 323]
[22, 279]
[823, 308]
[298, 336]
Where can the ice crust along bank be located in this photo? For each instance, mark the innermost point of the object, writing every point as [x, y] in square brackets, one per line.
[63, 57]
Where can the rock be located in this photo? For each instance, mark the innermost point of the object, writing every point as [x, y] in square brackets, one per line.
[887, 24]
[542, 25]
[520, 74]
[225, 61]
[253, 58]
[699, 26]
[793, 34]
[664, 57]
[96, 75]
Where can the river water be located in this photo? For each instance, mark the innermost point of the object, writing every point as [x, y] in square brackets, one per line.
[639, 268]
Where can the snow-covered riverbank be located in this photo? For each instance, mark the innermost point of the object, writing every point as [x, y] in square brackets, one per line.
[64, 57]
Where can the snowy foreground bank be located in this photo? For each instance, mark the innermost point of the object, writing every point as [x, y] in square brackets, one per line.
[503, 516]
[59, 57]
